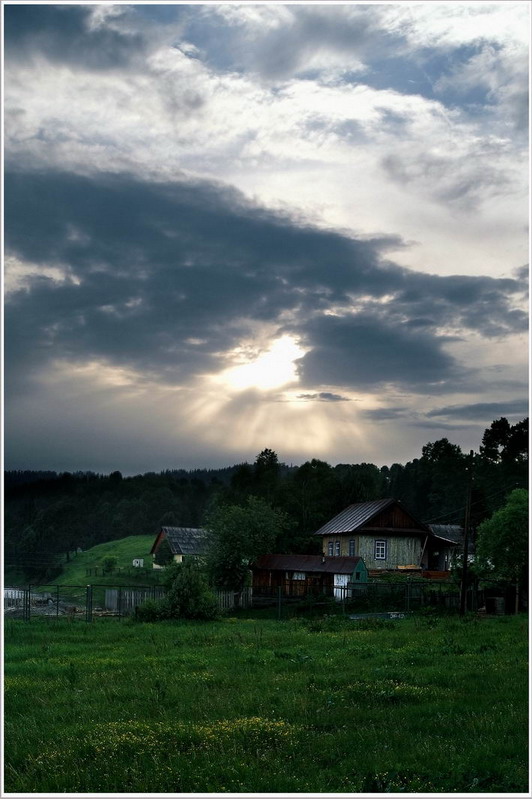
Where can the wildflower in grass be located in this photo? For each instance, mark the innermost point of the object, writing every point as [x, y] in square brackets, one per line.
[200, 677]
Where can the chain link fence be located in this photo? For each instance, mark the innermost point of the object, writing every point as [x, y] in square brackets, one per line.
[372, 597]
[76, 602]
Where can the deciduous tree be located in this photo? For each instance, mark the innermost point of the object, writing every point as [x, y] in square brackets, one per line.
[502, 543]
[239, 534]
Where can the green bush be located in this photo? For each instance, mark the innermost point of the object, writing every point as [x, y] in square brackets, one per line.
[153, 610]
[188, 596]
[109, 563]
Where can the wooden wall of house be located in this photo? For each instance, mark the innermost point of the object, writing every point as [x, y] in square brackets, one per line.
[266, 580]
[402, 550]
[262, 578]
[344, 544]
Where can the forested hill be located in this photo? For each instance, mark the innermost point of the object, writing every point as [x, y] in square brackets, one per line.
[48, 515]
[25, 476]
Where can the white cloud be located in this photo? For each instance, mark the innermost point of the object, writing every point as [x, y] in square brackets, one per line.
[452, 24]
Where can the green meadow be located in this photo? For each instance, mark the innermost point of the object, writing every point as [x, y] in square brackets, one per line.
[422, 704]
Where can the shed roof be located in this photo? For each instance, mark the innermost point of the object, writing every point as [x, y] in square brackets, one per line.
[308, 563]
[183, 540]
[359, 514]
[453, 533]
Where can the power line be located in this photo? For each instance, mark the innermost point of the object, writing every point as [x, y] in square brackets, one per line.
[478, 502]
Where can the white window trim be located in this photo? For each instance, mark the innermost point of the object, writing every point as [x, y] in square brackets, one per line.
[384, 542]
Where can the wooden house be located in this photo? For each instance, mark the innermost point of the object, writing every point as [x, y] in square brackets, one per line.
[299, 575]
[386, 535]
[182, 542]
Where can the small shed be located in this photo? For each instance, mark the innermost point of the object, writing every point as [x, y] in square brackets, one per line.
[446, 541]
[299, 575]
[182, 542]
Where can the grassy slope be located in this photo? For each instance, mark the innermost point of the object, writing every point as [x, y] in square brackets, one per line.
[125, 549]
[420, 705]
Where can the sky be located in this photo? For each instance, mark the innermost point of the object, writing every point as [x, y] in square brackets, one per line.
[237, 226]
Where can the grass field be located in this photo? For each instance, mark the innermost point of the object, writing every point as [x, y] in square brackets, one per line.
[424, 704]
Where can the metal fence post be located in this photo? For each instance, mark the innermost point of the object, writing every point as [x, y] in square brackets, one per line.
[279, 603]
[88, 603]
[119, 601]
[56, 602]
[26, 604]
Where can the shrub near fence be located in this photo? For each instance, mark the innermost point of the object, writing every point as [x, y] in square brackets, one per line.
[123, 601]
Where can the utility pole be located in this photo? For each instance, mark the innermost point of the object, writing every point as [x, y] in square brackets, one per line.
[467, 523]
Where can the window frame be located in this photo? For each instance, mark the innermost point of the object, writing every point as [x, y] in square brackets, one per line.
[380, 545]
[299, 576]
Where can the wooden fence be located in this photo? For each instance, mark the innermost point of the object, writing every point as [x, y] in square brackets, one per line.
[124, 600]
[228, 600]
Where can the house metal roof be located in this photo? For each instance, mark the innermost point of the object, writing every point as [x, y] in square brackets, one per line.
[307, 563]
[186, 540]
[356, 516]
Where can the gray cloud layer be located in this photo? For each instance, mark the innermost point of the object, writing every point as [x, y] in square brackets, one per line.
[65, 34]
[165, 278]
[483, 410]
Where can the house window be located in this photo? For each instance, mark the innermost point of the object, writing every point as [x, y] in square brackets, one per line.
[357, 576]
[337, 548]
[351, 547]
[381, 550]
[330, 548]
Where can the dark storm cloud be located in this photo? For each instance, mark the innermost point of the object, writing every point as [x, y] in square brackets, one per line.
[403, 417]
[165, 278]
[482, 411]
[366, 351]
[384, 414]
[63, 33]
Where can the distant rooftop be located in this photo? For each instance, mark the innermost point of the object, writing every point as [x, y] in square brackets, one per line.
[307, 563]
[184, 540]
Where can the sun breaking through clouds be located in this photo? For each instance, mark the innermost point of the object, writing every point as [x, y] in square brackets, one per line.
[237, 226]
[272, 369]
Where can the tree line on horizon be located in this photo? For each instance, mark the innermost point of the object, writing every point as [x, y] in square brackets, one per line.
[48, 516]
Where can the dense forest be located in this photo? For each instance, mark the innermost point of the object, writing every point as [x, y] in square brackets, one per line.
[49, 516]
